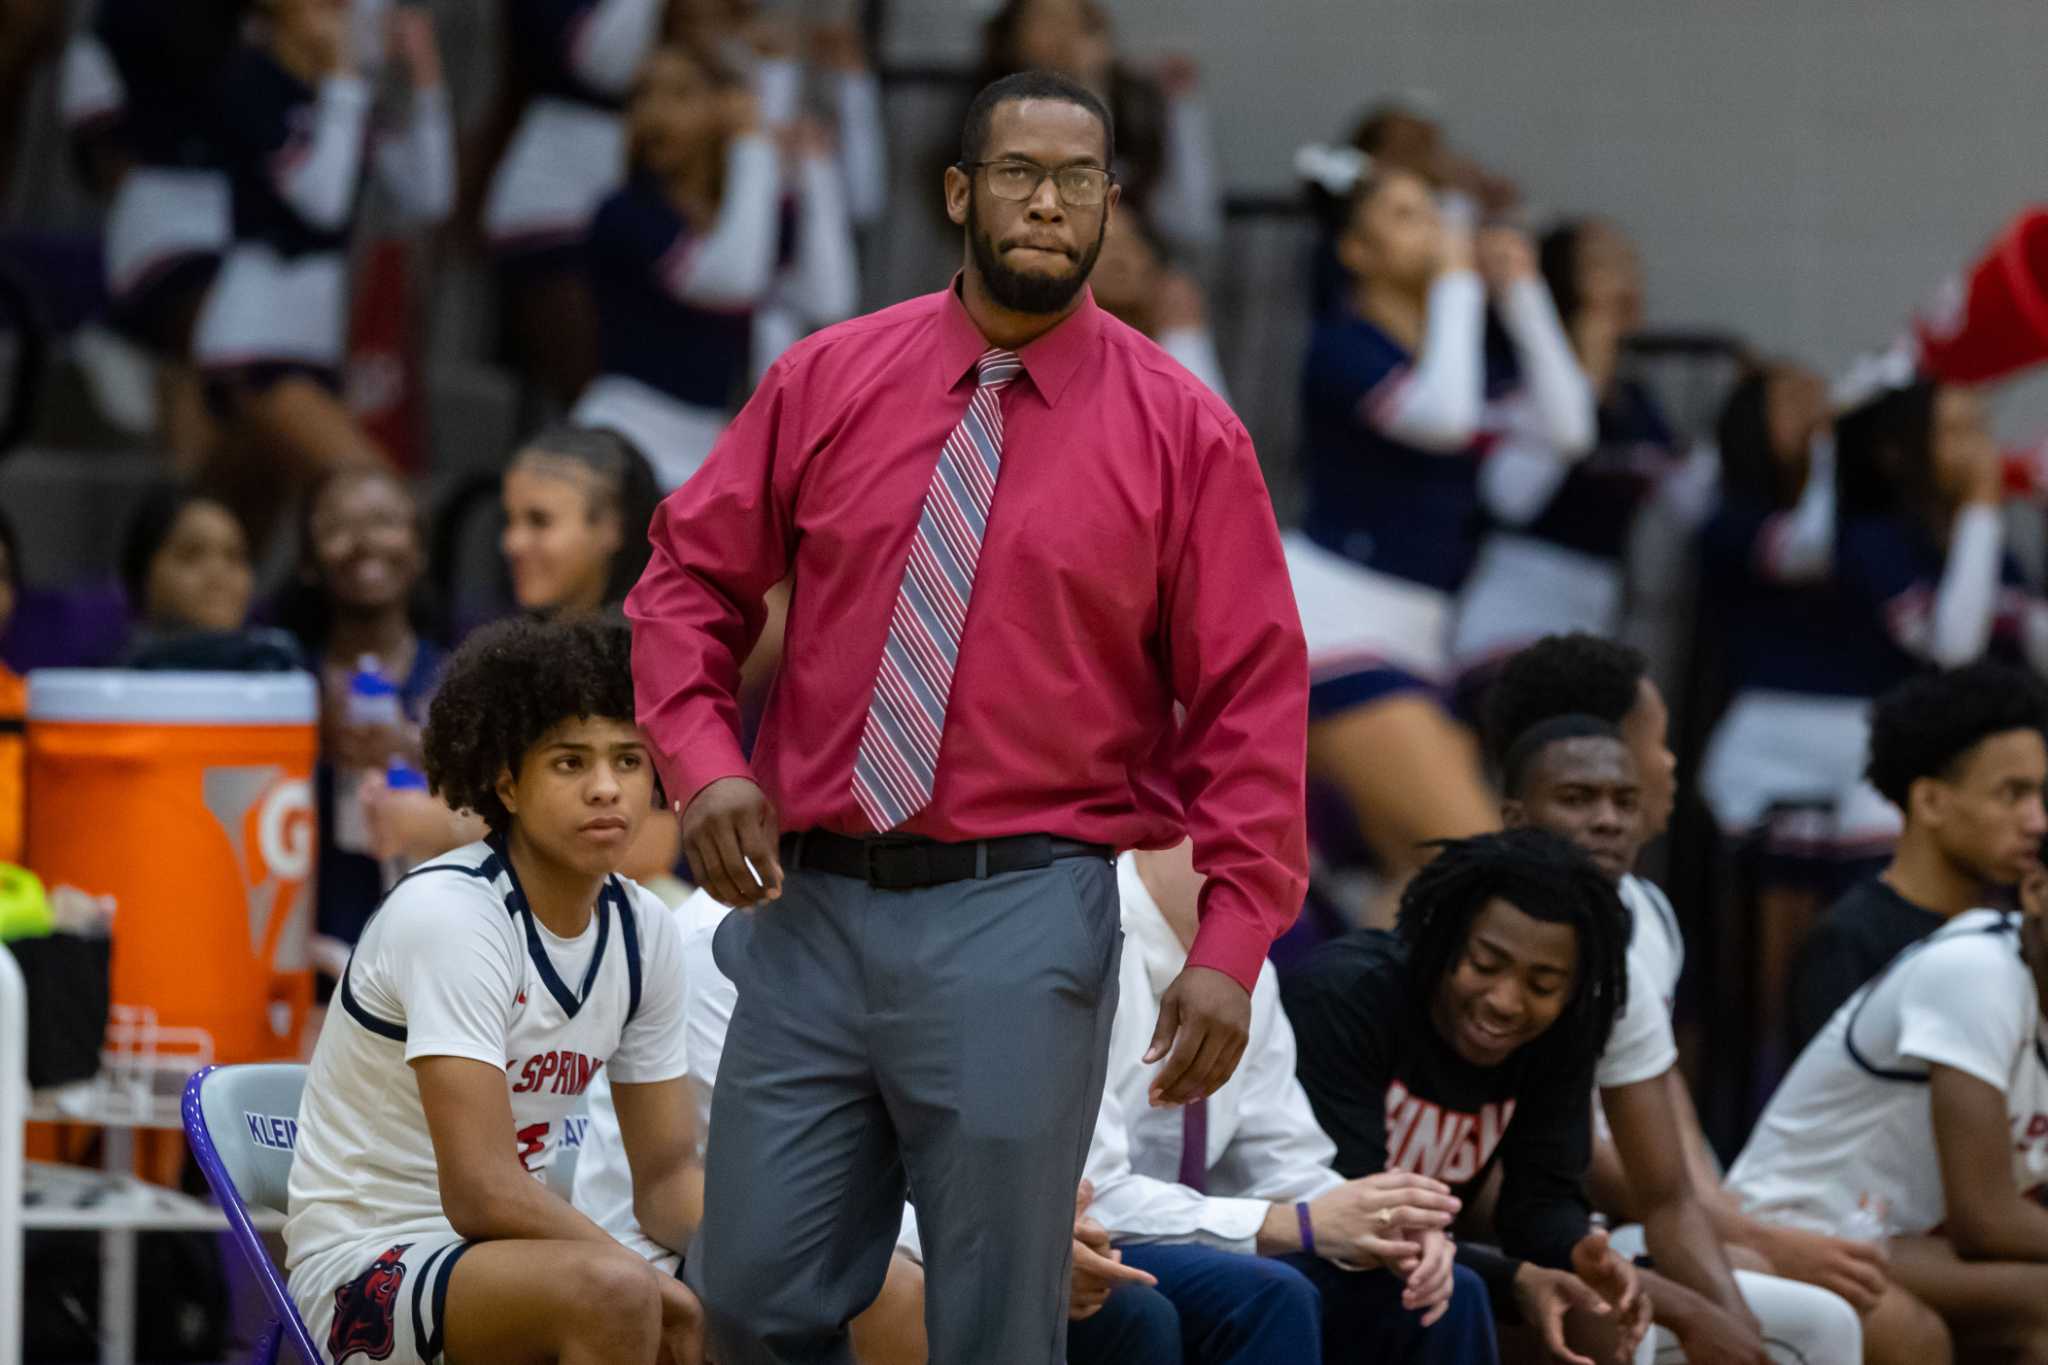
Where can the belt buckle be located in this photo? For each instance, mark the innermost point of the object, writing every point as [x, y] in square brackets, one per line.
[894, 866]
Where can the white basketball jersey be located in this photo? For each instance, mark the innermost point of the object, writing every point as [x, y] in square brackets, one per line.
[1847, 1144]
[1641, 1045]
[454, 964]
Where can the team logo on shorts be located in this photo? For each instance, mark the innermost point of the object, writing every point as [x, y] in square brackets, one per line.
[363, 1309]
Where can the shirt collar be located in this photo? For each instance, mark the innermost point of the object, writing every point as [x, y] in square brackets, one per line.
[1146, 931]
[1050, 361]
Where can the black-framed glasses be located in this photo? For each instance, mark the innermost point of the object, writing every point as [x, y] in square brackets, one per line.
[1081, 187]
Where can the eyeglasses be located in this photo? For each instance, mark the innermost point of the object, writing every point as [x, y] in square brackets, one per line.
[1081, 187]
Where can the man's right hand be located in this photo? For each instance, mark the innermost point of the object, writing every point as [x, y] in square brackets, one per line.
[728, 825]
[1854, 1270]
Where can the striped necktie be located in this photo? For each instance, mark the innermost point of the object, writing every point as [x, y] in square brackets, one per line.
[899, 747]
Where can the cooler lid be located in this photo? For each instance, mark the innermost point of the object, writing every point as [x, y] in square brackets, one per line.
[116, 696]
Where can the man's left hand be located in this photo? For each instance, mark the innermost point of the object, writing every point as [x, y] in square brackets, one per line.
[1204, 1019]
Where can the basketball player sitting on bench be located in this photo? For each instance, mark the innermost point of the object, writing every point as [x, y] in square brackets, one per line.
[1919, 1114]
[485, 993]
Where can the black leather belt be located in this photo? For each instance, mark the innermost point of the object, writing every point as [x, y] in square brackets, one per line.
[898, 864]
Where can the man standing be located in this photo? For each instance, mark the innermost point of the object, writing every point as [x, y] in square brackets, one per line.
[1019, 535]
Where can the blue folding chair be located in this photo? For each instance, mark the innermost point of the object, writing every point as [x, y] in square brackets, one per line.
[242, 1123]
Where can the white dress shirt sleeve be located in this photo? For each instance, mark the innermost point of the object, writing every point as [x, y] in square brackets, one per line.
[1145, 1208]
[1278, 1153]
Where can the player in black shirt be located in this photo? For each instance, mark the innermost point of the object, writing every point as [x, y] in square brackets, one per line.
[1470, 1038]
[1963, 755]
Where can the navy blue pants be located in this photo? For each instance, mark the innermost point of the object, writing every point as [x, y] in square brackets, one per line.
[1137, 1325]
[1263, 1310]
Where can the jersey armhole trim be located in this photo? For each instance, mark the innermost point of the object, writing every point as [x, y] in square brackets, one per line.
[2004, 924]
[383, 1028]
[629, 937]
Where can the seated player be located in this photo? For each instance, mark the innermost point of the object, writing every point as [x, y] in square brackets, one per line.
[486, 992]
[1117, 1319]
[1268, 1254]
[1963, 755]
[1469, 1039]
[1919, 1115]
[1573, 776]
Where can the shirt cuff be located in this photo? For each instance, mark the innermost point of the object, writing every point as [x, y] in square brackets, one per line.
[1226, 1224]
[1235, 1222]
[1230, 942]
[702, 759]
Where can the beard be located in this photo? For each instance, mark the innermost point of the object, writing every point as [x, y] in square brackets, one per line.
[1017, 290]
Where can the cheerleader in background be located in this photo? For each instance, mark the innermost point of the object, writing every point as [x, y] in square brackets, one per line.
[1395, 135]
[1922, 542]
[1165, 159]
[686, 254]
[824, 73]
[568, 151]
[136, 93]
[1134, 282]
[1556, 562]
[1799, 668]
[295, 116]
[1403, 397]
[1837, 589]
[1783, 767]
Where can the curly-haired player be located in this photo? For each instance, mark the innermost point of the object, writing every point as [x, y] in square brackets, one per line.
[483, 997]
[1467, 1042]
[1963, 755]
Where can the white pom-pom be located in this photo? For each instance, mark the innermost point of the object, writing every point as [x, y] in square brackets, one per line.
[1336, 170]
[1874, 372]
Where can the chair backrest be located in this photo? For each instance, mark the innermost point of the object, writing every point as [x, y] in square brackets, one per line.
[252, 1117]
[242, 1124]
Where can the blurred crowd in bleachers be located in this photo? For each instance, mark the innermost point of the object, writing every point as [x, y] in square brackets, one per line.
[333, 328]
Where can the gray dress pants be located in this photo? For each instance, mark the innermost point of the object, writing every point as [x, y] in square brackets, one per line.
[954, 1037]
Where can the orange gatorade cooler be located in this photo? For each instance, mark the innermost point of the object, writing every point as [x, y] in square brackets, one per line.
[188, 798]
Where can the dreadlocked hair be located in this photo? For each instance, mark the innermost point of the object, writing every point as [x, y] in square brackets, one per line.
[1546, 878]
[509, 685]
